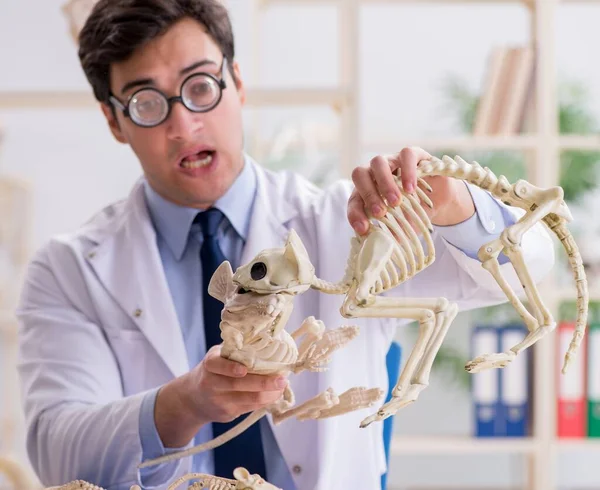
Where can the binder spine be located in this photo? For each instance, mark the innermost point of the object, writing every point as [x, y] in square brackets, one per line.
[515, 383]
[488, 417]
[593, 380]
[571, 392]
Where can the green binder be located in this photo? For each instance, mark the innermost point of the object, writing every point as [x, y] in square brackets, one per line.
[593, 378]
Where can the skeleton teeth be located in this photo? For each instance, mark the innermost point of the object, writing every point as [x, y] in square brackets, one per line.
[201, 162]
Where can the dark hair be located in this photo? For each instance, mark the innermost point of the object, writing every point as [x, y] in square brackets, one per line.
[116, 28]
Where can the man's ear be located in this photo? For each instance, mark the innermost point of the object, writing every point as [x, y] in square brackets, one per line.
[239, 83]
[113, 123]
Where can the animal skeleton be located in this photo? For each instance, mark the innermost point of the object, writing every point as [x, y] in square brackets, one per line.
[258, 300]
[388, 255]
[243, 481]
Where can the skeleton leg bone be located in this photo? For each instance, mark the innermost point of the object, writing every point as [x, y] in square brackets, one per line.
[328, 404]
[543, 322]
[435, 316]
[512, 238]
[315, 350]
[488, 255]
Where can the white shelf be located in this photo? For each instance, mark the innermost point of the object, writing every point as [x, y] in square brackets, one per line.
[578, 444]
[576, 142]
[461, 445]
[446, 445]
[510, 142]
[334, 97]
[518, 142]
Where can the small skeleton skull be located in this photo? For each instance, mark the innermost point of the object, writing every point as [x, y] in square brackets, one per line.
[277, 269]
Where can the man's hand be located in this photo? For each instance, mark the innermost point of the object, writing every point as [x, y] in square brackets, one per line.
[216, 390]
[451, 199]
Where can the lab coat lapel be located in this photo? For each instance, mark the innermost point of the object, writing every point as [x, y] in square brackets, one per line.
[128, 263]
[270, 214]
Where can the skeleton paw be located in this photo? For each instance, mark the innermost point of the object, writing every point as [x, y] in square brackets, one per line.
[396, 403]
[353, 399]
[489, 361]
[320, 352]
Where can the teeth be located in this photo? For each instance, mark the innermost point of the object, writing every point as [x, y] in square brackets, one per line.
[197, 163]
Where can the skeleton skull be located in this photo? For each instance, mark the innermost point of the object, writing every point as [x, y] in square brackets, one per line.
[278, 269]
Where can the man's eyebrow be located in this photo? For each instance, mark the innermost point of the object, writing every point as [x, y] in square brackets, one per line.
[150, 81]
[192, 67]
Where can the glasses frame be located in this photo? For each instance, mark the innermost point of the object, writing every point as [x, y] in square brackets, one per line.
[125, 107]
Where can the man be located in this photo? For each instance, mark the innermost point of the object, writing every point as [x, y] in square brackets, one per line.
[117, 365]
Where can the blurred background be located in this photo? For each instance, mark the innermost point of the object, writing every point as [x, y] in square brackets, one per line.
[512, 84]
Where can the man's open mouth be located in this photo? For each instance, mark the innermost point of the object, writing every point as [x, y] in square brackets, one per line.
[201, 159]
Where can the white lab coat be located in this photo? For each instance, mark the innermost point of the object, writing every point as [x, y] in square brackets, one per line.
[98, 329]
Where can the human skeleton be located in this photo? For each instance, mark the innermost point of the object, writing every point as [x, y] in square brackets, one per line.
[258, 297]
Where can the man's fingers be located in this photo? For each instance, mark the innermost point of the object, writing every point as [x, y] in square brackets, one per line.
[249, 383]
[382, 173]
[214, 363]
[356, 213]
[407, 161]
[232, 405]
[366, 187]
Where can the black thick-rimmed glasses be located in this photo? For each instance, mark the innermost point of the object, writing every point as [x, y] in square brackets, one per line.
[149, 107]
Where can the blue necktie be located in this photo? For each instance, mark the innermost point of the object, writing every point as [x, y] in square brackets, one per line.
[246, 449]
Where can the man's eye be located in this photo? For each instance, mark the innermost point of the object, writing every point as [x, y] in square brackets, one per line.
[147, 106]
[201, 88]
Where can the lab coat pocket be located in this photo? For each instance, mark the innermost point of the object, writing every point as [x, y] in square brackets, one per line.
[131, 350]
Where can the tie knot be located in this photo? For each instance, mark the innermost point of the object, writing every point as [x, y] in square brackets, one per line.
[209, 221]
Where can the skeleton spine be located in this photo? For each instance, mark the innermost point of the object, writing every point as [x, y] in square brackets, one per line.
[343, 286]
[473, 173]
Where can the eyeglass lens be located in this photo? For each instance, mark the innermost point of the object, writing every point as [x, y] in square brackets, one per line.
[199, 93]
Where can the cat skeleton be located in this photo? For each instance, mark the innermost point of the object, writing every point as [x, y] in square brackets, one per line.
[258, 300]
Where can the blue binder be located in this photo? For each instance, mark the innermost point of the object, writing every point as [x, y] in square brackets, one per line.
[392, 361]
[485, 385]
[515, 383]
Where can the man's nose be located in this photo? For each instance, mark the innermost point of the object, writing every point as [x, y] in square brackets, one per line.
[183, 123]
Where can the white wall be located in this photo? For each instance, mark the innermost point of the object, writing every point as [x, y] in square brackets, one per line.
[75, 167]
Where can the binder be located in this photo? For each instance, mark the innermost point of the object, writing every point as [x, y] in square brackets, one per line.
[593, 379]
[485, 385]
[514, 383]
[571, 389]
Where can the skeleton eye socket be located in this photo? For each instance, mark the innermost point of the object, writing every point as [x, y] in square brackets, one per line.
[258, 271]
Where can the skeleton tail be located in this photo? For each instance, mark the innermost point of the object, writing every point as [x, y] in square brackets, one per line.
[566, 238]
[216, 442]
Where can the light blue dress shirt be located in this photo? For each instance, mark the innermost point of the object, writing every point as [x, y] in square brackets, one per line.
[179, 244]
